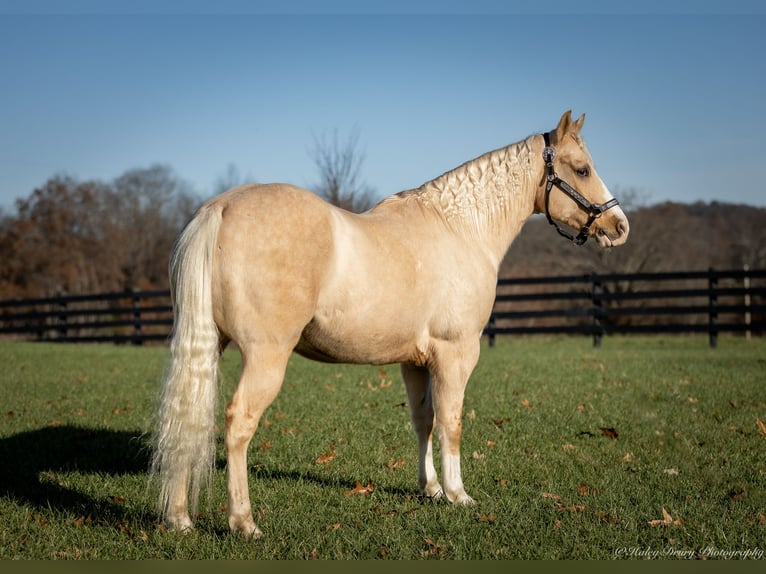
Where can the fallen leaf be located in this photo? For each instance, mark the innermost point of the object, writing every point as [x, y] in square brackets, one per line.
[265, 445]
[491, 443]
[761, 426]
[526, 403]
[671, 471]
[487, 517]
[360, 489]
[291, 431]
[607, 517]
[433, 549]
[585, 490]
[499, 422]
[333, 526]
[477, 456]
[737, 494]
[83, 521]
[328, 456]
[471, 414]
[608, 432]
[667, 520]
[570, 508]
[581, 407]
[501, 481]
[568, 447]
[628, 457]
[693, 400]
[394, 464]
[551, 495]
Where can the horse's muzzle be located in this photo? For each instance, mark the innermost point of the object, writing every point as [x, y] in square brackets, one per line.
[612, 229]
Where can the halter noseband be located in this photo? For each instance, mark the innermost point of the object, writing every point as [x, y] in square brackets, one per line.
[594, 210]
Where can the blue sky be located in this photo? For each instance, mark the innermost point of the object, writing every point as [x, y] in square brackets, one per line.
[673, 92]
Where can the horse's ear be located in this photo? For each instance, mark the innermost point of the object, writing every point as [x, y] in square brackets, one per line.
[565, 124]
[578, 124]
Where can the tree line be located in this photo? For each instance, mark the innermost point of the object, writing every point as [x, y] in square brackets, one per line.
[74, 236]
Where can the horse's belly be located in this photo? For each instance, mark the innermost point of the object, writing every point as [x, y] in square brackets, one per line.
[335, 342]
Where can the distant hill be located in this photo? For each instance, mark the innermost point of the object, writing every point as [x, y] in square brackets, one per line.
[663, 237]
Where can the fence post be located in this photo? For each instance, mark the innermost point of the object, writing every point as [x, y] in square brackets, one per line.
[137, 336]
[491, 330]
[713, 308]
[596, 302]
[746, 285]
[62, 317]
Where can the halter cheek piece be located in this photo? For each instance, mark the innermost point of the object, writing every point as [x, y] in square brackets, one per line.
[594, 210]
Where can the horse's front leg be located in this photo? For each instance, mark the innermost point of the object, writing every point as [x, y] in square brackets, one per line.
[417, 380]
[452, 365]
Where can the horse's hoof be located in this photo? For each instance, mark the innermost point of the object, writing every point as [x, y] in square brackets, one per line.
[245, 527]
[434, 492]
[253, 533]
[182, 524]
[463, 499]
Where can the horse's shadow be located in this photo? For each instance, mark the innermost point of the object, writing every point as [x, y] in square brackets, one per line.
[33, 460]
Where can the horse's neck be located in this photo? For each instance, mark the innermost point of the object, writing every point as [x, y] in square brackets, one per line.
[489, 198]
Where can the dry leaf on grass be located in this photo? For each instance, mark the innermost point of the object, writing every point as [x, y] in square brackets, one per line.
[667, 520]
[761, 426]
[608, 432]
[433, 549]
[570, 507]
[360, 489]
[328, 456]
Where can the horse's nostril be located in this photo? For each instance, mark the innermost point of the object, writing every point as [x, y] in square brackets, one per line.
[622, 228]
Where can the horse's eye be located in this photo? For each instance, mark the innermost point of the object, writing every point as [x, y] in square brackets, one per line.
[583, 172]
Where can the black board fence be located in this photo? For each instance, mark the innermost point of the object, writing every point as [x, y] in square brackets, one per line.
[709, 302]
[128, 317]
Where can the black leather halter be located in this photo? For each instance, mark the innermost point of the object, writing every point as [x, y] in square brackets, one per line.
[594, 210]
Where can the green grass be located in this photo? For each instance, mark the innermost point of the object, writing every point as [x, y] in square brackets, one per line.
[680, 433]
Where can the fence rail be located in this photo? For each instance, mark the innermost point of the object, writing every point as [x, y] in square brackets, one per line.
[128, 317]
[709, 302]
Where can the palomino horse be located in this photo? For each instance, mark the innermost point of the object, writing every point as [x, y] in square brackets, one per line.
[275, 269]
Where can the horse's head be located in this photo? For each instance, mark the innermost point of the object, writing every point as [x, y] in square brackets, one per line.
[572, 193]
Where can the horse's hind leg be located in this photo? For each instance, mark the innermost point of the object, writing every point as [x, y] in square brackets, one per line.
[262, 374]
[418, 383]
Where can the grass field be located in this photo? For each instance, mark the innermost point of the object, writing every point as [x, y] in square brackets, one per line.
[647, 447]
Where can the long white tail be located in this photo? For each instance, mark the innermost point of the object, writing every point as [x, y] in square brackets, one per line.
[184, 438]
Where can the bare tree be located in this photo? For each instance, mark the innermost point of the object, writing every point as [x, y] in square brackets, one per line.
[339, 165]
